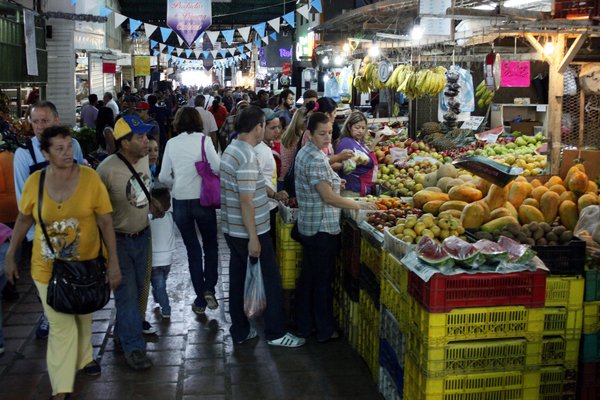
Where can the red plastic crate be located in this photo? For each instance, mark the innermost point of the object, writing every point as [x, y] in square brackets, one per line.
[443, 293]
[589, 381]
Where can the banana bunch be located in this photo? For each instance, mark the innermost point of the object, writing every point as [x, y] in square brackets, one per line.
[361, 84]
[419, 83]
[368, 80]
[484, 95]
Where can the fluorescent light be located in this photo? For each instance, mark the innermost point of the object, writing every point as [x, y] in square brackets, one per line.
[416, 33]
[347, 48]
[374, 51]
[338, 60]
[548, 48]
[325, 60]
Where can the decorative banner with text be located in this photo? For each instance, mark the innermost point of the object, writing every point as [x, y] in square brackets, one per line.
[141, 65]
[189, 18]
[516, 74]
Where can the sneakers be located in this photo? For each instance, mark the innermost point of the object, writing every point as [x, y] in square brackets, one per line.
[251, 335]
[138, 360]
[43, 328]
[198, 310]
[211, 301]
[287, 340]
[165, 315]
[92, 369]
[148, 329]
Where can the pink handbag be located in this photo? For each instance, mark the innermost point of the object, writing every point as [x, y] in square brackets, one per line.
[210, 192]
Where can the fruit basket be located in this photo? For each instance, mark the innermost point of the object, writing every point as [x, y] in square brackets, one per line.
[395, 246]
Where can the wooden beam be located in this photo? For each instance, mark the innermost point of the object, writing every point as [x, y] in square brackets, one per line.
[555, 104]
[534, 42]
[498, 12]
[575, 47]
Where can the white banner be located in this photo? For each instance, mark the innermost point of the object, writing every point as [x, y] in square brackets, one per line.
[30, 49]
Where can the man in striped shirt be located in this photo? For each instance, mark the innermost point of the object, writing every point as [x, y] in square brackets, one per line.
[245, 222]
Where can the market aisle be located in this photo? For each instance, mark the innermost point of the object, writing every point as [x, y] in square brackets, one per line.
[193, 357]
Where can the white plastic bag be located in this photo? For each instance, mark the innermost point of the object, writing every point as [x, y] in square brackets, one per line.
[255, 300]
[588, 229]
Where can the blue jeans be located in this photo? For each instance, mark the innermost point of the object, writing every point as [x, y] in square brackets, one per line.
[3, 249]
[133, 260]
[273, 316]
[188, 215]
[159, 287]
[314, 292]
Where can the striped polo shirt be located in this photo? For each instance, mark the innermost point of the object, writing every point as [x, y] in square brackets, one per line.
[240, 173]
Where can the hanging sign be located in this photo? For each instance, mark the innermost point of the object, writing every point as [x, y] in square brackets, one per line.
[516, 73]
[109, 68]
[189, 18]
[141, 65]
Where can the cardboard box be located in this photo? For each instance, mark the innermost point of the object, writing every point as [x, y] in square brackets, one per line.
[590, 161]
[526, 128]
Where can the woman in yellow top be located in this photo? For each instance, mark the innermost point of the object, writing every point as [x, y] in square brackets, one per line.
[75, 206]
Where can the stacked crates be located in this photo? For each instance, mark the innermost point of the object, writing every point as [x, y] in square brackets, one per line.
[288, 254]
[589, 360]
[369, 320]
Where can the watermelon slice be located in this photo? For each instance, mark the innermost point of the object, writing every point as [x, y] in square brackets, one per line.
[517, 253]
[493, 252]
[433, 254]
[463, 252]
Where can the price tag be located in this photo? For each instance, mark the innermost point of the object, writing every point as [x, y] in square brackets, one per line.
[541, 108]
[472, 123]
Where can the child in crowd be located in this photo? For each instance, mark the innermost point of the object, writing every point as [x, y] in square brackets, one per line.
[163, 247]
[5, 233]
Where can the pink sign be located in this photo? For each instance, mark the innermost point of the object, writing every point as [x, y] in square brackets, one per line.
[516, 74]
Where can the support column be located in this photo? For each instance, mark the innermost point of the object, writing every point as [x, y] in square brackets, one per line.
[555, 104]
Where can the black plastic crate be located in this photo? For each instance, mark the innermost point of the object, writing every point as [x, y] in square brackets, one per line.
[351, 285]
[368, 282]
[350, 247]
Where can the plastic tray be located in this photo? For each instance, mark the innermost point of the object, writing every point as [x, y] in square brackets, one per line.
[588, 384]
[504, 385]
[394, 245]
[395, 301]
[590, 347]
[591, 317]
[565, 291]
[443, 293]
[558, 383]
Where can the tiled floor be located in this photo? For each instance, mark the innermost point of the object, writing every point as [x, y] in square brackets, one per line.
[194, 357]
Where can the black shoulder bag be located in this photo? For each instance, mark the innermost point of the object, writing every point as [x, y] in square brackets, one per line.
[76, 287]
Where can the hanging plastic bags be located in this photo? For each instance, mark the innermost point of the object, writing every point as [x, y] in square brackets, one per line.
[255, 300]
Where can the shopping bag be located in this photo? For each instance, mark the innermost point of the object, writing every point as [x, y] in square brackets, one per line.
[255, 300]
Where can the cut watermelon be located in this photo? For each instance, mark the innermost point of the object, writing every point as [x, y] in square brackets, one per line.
[493, 252]
[462, 252]
[517, 253]
[433, 254]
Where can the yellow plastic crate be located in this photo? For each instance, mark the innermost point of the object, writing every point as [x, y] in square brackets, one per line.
[560, 351]
[504, 385]
[564, 322]
[395, 271]
[371, 256]
[395, 301]
[351, 320]
[473, 356]
[591, 317]
[289, 267]
[284, 234]
[368, 347]
[563, 291]
[476, 323]
[558, 383]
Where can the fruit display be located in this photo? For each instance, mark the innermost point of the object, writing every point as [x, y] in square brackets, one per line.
[384, 202]
[381, 220]
[483, 95]
[432, 253]
[413, 229]
[462, 252]
[532, 234]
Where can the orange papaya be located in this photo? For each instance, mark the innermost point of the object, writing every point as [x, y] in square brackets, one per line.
[465, 193]
[496, 196]
[473, 216]
[537, 192]
[549, 206]
[569, 214]
[585, 200]
[518, 192]
[578, 182]
[560, 189]
[529, 214]
[425, 196]
[568, 195]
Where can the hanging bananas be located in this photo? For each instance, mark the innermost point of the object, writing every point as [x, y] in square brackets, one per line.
[484, 95]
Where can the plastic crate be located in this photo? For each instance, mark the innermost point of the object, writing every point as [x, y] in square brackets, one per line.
[563, 259]
[588, 384]
[564, 291]
[592, 285]
[389, 331]
[504, 385]
[558, 383]
[396, 272]
[443, 293]
[590, 348]
[557, 350]
[591, 317]
[284, 235]
[351, 285]
[396, 301]
[564, 322]
[387, 386]
[371, 254]
[370, 283]
[476, 323]
[368, 342]
[350, 247]
[289, 267]
[389, 362]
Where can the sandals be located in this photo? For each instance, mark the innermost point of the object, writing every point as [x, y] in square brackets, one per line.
[287, 340]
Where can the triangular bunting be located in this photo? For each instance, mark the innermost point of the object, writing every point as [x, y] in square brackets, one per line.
[165, 33]
[275, 23]
[248, 46]
[245, 32]
[258, 43]
[240, 49]
[273, 35]
[213, 36]
[180, 40]
[153, 43]
[260, 28]
[228, 35]
[223, 53]
[214, 53]
[205, 54]
[168, 57]
[162, 47]
[290, 18]
[200, 40]
[232, 51]
[197, 53]
[133, 25]
[188, 53]
[170, 49]
[179, 51]
[105, 11]
[304, 11]
[149, 29]
[266, 40]
[119, 19]
[316, 4]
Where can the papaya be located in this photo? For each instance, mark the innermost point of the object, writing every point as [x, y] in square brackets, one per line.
[518, 192]
[568, 195]
[537, 192]
[483, 185]
[569, 214]
[433, 206]
[498, 224]
[500, 212]
[554, 180]
[496, 196]
[531, 202]
[466, 177]
[575, 168]
[465, 193]
[560, 189]
[473, 216]
[486, 210]
[425, 196]
[434, 189]
[587, 199]
[508, 205]
[536, 183]
[592, 187]
[453, 205]
[450, 213]
[452, 183]
[529, 214]
[520, 178]
[549, 204]
[578, 182]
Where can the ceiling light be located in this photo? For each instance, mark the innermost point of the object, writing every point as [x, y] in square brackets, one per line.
[347, 48]
[548, 48]
[416, 33]
[374, 51]
[338, 60]
[325, 60]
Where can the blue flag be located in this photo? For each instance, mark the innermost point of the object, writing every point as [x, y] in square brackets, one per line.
[290, 18]
[165, 33]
